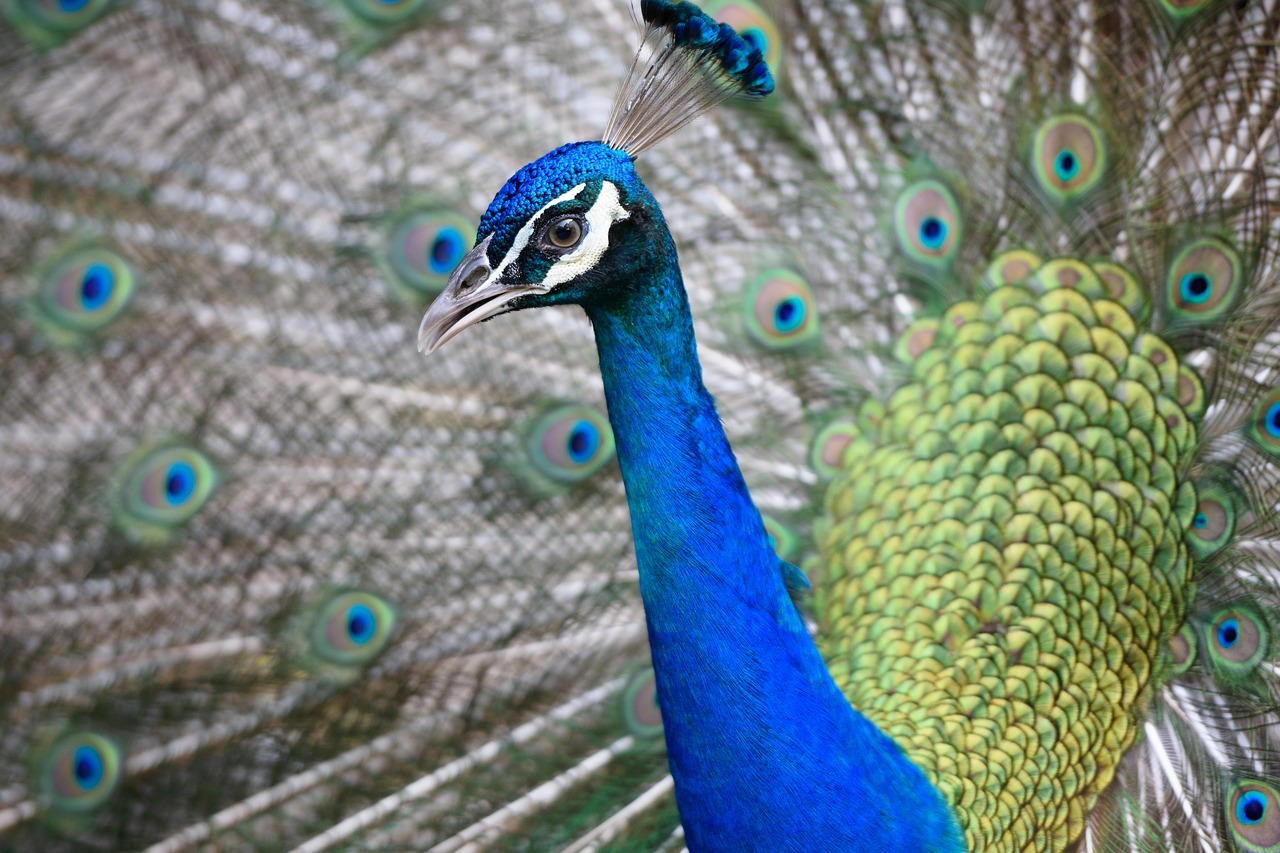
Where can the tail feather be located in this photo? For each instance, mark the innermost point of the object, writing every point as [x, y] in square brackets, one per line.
[221, 221]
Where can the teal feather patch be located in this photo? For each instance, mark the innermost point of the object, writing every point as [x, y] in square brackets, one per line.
[157, 489]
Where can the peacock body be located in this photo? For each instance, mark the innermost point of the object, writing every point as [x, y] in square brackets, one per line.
[986, 297]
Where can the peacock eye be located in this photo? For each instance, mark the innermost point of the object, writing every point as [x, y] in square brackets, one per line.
[563, 233]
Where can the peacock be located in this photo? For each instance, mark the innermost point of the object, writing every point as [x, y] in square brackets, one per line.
[909, 483]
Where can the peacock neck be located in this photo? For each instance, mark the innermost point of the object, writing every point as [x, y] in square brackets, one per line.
[767, 754]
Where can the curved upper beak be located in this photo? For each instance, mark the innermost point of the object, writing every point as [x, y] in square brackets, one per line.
[472, 294]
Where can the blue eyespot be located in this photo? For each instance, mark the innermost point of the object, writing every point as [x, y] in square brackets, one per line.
[447, 250]
[1272, 420]
[1237, 642]
[82, 291]
[1204, 281]
[933, 232]
[180, 483]
[1251, 808]
[584, 438]
[928, 223]
[1200, 520]
[96, 287]
[1066, 165]
[159, 489]
[361, 624]
[1068, 156]
[1228, 633]
[422, 247]
[789, 315]
[77, 773]
[569, 443]
[351, 628]
[1194, 288]
[87, 767]
[1264, 429]
[779, 310]
[1254, 824]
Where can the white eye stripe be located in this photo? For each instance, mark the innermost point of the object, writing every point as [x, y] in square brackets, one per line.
[607, 210]
[525, 234]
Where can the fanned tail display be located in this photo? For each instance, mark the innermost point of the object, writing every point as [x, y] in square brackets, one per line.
[987, 295]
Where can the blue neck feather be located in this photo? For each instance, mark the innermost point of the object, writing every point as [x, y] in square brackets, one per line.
[766, 753]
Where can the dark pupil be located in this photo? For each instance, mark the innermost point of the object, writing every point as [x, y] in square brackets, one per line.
[1229, 636]
[1254, 810]
[786, 311]
[565, 232]
[440, 251]
[578, 441]
[1199, 285]
[358, 625]
[84, 768]
[91, 288]
[932, 228]
[173, 485]
[1068, 161]
[1275, 418]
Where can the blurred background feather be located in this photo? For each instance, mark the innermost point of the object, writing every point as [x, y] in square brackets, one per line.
[269, 579]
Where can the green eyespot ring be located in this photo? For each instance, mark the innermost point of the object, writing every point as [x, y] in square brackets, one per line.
[1182, 10]
[1214, 522]
[422, 247]
[569, 443]
[779, 310]
[77, 773]
[159, 489]
[383, 12]
[640, 705]
[1182, 649]
[1254, 816]
[829, 446]
[1069, 156]
[1264, 429]
[1236, 641]
[48, 23]
[782, 539]
[1204, 282]
[81, 292]
[352, 628]
[928, 223]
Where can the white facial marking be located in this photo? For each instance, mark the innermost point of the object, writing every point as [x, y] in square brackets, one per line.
[525, 234]
[607, 210]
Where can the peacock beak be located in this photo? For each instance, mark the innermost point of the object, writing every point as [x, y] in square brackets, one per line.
[472, 294]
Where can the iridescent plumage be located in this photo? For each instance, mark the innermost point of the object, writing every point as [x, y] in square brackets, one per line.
[986, 295]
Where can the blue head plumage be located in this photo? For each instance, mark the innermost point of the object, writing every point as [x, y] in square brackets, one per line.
[548, 236]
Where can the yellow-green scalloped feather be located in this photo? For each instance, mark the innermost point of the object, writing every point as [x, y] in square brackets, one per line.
[1006, 559]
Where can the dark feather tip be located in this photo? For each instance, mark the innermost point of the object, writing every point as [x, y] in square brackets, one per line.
[689, 27]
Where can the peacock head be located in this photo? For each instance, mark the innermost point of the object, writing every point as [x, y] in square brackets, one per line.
[570, 227]
[577, 225]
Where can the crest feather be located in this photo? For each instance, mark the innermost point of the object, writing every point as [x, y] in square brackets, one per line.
[686, 64]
